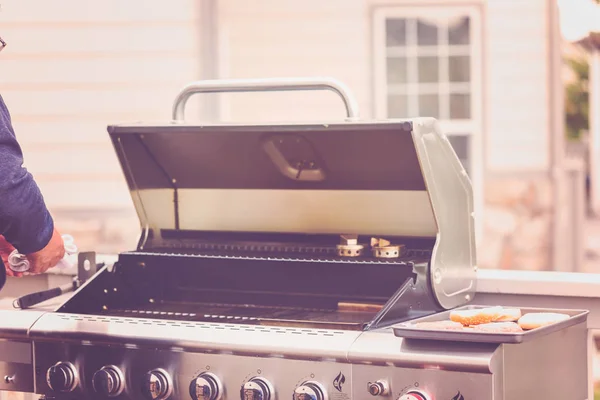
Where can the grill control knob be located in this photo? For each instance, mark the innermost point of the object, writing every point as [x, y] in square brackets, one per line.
[206, 386]
[257, 389]
[62, 377]
[379, 388]
[108, 381]
[310, 390]
[415, 395]
[157, 385]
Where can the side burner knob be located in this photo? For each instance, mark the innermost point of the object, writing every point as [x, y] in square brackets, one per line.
[157, 385]
[206, 386]
[62, 377]
[108, 381]
[310, 390]
[415, 395]
[379, 388]
[257, 389]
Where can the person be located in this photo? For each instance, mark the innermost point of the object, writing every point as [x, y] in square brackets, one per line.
[25, 221]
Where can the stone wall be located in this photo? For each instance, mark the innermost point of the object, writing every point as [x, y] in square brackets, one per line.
[517, 224]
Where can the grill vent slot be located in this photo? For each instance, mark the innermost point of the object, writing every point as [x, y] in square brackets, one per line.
[201, 325]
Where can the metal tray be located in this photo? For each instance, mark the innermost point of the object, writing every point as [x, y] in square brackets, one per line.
[409, 331]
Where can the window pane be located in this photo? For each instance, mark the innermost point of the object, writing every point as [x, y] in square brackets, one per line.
[460, 106]
[460, 144]
[459, 31]
[427, 34]
[397, 106]
[429, 105]
[428, 69]
[396, 70]
[460, 68]
[395, 29]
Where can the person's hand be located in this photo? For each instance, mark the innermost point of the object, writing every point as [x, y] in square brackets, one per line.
[5, 250]
[48, 257]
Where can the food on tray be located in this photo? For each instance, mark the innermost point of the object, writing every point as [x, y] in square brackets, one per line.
[476, 316]
[509, 315]
[498, 327]
[537, 320]
[443, 325]
[494, 320]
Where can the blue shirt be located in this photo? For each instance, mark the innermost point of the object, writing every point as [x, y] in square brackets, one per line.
[25, 221]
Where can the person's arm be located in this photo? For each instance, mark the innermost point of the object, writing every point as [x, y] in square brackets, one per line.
[25, 221]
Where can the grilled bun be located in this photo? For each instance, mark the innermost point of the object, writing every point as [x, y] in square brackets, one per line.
[440, 325]
[498, 327]
[537, 320]
[509, 315]
[476, 316]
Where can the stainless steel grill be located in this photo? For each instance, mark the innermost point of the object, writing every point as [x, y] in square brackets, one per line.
[282, 260]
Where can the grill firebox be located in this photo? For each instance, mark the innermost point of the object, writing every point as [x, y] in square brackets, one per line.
[291, 288]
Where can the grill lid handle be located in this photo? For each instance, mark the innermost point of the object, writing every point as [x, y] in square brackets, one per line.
[265, 85]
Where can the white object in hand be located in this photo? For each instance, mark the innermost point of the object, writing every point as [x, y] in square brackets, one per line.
[19, 263]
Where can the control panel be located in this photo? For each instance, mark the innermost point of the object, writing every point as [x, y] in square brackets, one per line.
[113, 372]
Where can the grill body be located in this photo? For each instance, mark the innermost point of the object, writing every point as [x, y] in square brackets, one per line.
[278, 261]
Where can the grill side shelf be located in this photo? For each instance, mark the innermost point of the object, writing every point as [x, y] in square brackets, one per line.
[408, 330]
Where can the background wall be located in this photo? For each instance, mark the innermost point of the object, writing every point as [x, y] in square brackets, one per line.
[69, 70]
[66, 75]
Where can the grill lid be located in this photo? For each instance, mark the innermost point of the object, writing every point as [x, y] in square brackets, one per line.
[393, 178]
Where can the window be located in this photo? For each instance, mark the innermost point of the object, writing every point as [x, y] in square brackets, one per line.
[428, 64]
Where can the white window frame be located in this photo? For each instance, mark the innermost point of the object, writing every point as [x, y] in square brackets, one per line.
[473, 127]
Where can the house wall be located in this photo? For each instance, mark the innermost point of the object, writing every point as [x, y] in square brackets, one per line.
[273, 38]
[519, 190]
[70, 69]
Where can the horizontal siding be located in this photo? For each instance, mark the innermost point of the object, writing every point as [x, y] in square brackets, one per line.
[90, 11]
[86, 101]
[155, 37]
[114, 70]
[66, 130]
[67, 194]
[518, 90]
[65, 76]
[289, 38]
[98, 161]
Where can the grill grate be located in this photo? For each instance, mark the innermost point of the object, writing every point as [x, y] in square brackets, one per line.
[325, 257]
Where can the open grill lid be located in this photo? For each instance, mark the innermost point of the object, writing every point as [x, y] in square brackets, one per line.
[390, 179]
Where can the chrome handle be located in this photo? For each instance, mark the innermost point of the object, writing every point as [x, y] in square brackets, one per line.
[264, 85]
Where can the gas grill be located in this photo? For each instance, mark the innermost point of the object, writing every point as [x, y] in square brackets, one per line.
[284, 261]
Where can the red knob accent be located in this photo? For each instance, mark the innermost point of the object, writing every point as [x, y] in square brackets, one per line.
[415, 396]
